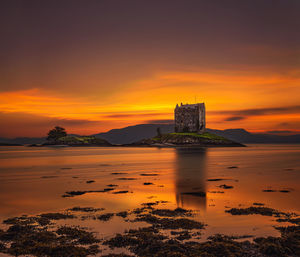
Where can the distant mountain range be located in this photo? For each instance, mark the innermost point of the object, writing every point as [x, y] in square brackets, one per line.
[243, 136]
[135, 133]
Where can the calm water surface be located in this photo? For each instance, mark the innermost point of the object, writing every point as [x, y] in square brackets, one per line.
[33, 180]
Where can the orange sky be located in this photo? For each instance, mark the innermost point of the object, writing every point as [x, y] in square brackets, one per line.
[113, 65]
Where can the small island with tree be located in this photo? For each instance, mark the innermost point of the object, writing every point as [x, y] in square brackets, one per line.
[58, 137]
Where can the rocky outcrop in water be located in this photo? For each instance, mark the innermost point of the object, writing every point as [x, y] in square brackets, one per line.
[79, 141]
[187, 139]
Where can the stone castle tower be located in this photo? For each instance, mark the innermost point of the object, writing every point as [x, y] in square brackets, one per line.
[190, 118]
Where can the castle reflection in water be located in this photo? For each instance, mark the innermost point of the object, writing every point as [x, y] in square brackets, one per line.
[190, 170]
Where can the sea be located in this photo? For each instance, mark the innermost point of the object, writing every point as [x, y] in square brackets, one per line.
[209, 181]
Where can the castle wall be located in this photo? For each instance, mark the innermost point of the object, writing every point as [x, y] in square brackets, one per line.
[190, 118]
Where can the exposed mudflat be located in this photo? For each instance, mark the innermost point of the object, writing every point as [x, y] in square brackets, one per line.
[167, 232]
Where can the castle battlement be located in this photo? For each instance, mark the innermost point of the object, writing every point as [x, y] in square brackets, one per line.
[190, 118]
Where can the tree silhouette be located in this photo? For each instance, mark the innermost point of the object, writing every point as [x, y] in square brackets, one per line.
[56, 133]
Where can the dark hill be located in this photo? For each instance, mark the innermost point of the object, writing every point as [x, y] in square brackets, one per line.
[8, 144]
[243, 136]
[23, 140]
[135, 133]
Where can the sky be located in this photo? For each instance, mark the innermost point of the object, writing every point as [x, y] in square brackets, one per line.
[94, 65]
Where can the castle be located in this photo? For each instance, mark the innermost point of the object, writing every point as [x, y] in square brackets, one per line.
[190, 118]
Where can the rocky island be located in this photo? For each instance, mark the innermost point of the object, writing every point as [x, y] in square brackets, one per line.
[59, 137]
[186, 139]
[190, 130]
[79, 141]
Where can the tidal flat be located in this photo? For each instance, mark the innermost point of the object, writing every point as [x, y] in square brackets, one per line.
[160, 202]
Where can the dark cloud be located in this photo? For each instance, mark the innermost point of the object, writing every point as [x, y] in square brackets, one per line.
[234, 118]
[160, 121]
[260, 111]
[283, 124]
[132, 115]
[73, 122]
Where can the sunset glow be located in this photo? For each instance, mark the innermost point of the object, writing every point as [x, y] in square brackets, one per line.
[94, 85]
